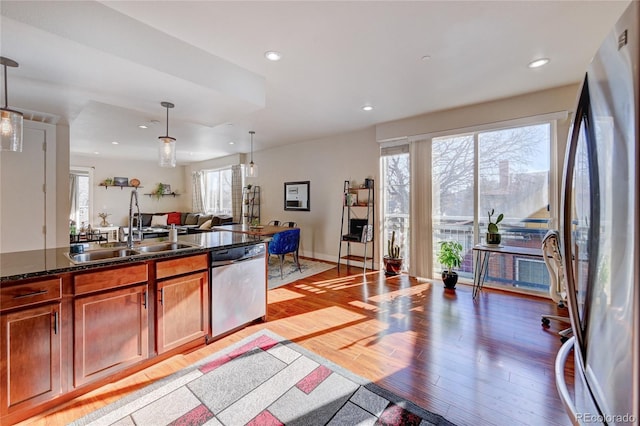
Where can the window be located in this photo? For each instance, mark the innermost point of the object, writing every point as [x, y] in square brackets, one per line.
[396, 202]
[506, 170]
[80, 195]
[218, 191]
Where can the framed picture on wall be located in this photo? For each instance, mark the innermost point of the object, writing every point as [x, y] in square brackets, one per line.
[297, 196]
[121, 181]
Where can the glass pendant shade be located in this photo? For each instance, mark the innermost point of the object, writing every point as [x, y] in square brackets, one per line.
[167, 151]
[11, 130]
[167, 144]
[10, 120]
[252, 170]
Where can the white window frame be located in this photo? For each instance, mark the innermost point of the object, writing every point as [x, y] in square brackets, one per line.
[550, 118]
[88, 171]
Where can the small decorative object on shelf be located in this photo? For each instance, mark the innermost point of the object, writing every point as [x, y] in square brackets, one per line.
[108, 182]
[162, 190]
[134, 182]
[121, 181]
[159, 192]
[104, 217]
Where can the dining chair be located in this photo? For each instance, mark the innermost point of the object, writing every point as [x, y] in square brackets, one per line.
[283, 243]
[274, 223]
[289, 224]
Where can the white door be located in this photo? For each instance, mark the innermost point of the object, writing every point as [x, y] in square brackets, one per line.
[22, 197]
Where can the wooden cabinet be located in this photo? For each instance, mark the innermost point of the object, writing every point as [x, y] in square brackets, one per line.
[182, 303]
[110, 327]
[182, 310]
[30, 344]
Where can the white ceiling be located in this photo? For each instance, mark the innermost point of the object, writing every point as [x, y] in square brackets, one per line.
[104, 67]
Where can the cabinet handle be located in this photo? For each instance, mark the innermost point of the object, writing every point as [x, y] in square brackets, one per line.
[144, 299]
[162, 296]
[34, 293]
[55, 322]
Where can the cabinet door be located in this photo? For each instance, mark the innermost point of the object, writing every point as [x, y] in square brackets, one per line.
[183, 314]
[30, 361]
[110, 332]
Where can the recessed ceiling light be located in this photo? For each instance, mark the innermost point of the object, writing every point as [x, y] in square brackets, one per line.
[96, 152]
[538, 63]
[115, 143]
[426, 57]
[232, 143]
[367, 108]
[272, 55]
[143, 126]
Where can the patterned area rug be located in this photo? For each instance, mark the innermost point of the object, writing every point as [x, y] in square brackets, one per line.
[290, 271]
[263, 380]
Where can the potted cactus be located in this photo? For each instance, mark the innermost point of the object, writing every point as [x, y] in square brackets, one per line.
[493, 234]
[450, 257]
[392, 261]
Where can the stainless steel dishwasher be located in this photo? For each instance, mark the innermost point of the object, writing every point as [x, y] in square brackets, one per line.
[238, 287]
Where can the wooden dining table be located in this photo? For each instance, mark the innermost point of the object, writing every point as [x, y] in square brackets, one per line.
[258, 231]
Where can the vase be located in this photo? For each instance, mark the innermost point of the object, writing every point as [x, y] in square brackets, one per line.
[392, 265]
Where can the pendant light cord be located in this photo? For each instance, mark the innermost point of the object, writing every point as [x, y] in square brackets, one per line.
[6, 96]
[167, 132]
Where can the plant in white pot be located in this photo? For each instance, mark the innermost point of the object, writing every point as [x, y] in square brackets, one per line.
[493, 237]
[450, 256]
[392, 261]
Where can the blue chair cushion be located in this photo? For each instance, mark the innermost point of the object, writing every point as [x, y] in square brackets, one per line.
[285, 242]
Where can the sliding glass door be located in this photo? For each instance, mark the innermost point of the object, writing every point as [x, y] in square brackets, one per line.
[506, 171]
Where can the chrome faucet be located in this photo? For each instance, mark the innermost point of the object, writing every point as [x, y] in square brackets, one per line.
[134, 196]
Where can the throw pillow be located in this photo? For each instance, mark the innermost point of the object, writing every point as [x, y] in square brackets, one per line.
[206, 225]
[202, 219]
[174, 218]
[159, 220]
[191, 219]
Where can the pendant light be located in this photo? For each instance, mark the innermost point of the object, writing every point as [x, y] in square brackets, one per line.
[10, 120]
[167, 144]
[252, 170]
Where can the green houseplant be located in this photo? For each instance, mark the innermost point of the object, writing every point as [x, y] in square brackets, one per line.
[392, 261]
[493, 233]
[157, 193]
[450, 256]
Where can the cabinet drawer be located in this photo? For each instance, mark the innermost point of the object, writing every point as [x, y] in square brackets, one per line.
[110, 278]
[30, 293]
[183, 265]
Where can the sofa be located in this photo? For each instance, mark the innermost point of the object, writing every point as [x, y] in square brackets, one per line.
[184, 221]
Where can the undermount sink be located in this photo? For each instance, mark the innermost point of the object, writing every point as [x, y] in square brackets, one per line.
[163, 247]
[92, 256]
[112, 254]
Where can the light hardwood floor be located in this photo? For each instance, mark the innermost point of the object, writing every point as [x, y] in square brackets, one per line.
[487, 362]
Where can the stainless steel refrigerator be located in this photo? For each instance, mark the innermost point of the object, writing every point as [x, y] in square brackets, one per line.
[599, 235]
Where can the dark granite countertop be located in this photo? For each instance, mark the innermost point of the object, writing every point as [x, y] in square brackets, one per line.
[34, 263]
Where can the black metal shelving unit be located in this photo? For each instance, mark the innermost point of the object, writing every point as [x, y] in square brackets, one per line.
[251, 204]
[357, 223]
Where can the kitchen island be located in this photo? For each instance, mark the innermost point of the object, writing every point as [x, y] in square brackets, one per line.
[69, 327]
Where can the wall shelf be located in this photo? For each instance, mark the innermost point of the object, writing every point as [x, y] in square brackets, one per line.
[118, 186]
[172, 194]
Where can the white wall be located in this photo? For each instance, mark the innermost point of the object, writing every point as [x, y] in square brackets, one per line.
[326, 163]
[116, 200]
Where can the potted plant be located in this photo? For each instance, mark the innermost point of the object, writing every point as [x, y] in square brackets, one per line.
[493, 233]
[392, 261]
[450, 257]
[159, 191]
